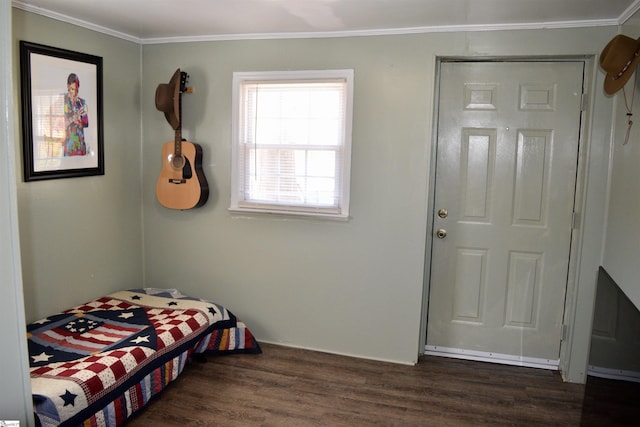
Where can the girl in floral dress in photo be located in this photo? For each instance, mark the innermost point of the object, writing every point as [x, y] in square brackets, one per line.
[76, 119]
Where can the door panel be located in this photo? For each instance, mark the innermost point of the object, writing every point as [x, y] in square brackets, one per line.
[506, 165]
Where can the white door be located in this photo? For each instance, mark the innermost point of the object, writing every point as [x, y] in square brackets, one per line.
[506, 166]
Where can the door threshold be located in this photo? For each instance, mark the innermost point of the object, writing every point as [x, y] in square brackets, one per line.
[613, 374]
[482, 356]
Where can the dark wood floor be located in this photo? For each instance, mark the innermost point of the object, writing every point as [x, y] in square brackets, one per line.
[293, 387]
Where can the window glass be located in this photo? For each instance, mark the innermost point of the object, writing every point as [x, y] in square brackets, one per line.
[292, 142]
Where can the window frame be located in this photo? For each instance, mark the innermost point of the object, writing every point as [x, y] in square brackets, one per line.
[238, 203]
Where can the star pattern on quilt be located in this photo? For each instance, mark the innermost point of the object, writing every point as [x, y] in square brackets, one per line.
[42, 321]
[136, 297]
[172, 304]
[69, 398]
[42, 357]
[212, 311]
[81, 326]
[141, 339]
[71, 336]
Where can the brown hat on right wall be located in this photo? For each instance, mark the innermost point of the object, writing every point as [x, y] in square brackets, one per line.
[619, 59]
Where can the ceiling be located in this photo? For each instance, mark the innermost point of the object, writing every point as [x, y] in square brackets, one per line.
[156, 21]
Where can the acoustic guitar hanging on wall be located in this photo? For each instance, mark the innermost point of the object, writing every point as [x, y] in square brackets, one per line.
[181, 184]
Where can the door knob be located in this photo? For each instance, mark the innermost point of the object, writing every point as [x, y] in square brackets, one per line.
[441, 233]
[442, 213]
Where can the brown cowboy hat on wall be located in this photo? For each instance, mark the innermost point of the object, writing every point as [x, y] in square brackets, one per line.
[168, 99]
[619, 59]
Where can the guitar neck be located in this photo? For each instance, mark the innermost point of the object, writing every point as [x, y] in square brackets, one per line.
[178, 137]
[177, 150]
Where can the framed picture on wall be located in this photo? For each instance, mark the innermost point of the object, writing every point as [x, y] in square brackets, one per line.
[62, 128]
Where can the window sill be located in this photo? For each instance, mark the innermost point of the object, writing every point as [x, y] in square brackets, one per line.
[289, 213]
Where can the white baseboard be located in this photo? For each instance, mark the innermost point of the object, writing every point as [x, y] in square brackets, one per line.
[482, 356]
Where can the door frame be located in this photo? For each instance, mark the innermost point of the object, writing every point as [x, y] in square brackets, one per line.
[569, 360]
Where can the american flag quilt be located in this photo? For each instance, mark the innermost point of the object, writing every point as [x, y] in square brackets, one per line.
[98, 363]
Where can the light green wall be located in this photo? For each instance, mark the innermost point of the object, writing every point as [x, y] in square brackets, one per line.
[81, 237]
[357, 287]
[622, 250]
[353, 287]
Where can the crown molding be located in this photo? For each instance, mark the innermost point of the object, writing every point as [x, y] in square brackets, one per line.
[330, 34]
[78, 22]
[629, 12]
[386, 32]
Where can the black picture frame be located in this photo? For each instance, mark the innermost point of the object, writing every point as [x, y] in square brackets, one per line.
[62, 134]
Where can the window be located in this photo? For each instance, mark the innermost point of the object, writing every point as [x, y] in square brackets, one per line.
[292, 142]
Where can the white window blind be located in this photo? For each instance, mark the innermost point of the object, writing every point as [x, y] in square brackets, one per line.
[292, 140]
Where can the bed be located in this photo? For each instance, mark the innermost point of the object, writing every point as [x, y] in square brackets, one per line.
[99, 363]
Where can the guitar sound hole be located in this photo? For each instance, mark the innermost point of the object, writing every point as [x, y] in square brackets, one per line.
[177, 162]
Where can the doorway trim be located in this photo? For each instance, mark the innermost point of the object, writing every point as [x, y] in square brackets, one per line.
[568, 357]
